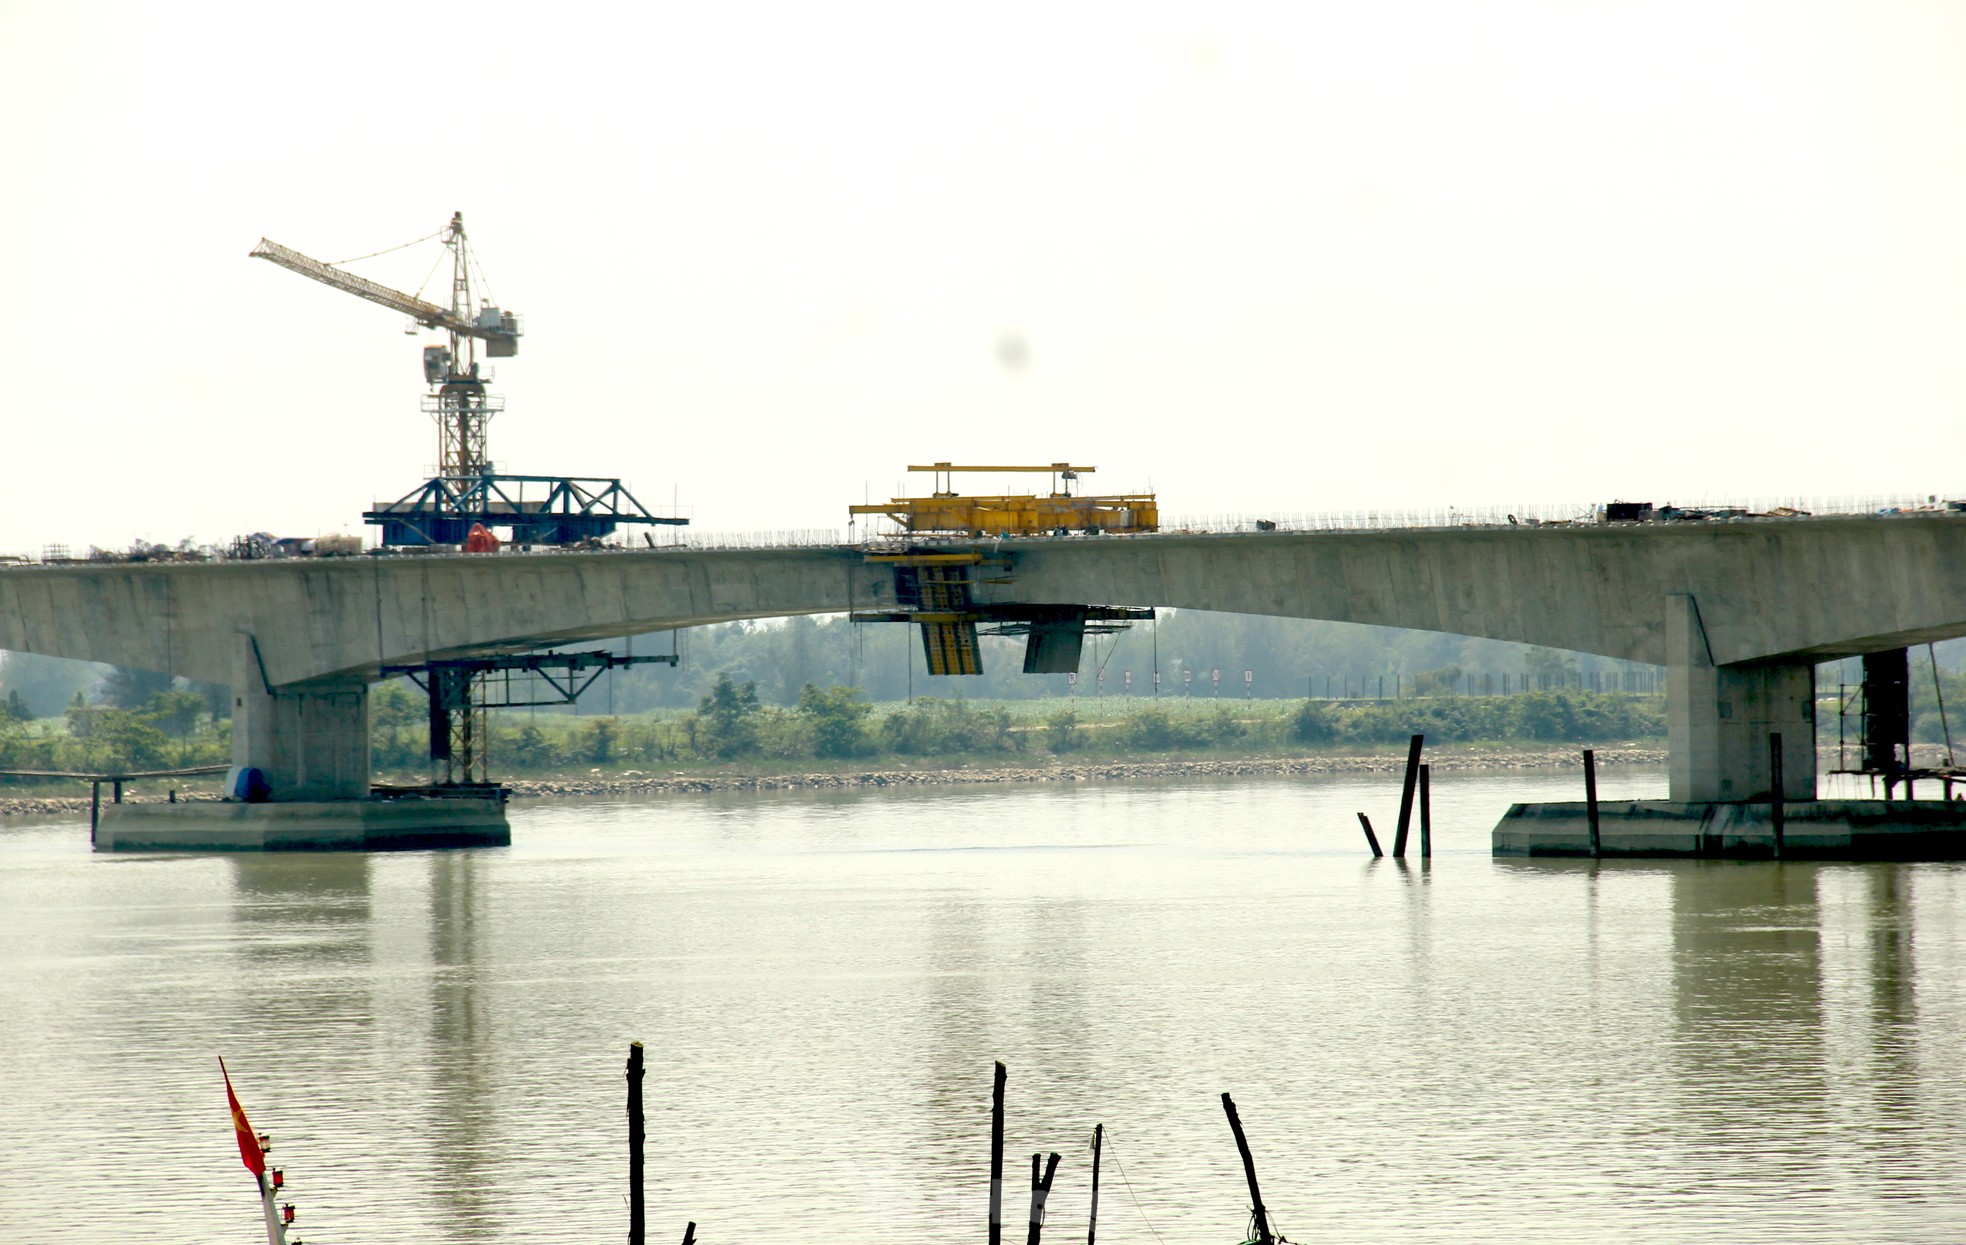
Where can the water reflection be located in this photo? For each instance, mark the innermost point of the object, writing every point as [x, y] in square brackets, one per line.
[1747, 961]
[463, 1115]
[1892, 1076]
[1664, 1051]
[303, 924]
[954, 1013]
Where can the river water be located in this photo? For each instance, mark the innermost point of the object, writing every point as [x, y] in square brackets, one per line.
[1463, 1050]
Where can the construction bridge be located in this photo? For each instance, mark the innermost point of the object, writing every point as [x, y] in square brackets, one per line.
[1739, 613]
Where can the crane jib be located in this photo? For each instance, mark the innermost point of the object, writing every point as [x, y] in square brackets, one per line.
[424, 312]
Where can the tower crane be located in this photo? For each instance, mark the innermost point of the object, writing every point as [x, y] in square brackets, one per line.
[460, 405]
[467, 490]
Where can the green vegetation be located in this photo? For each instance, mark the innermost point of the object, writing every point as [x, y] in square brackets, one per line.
[173, 729]
[731, 729]
[803, 693]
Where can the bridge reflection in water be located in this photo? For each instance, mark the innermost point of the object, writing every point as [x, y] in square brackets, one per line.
[1664, 1051]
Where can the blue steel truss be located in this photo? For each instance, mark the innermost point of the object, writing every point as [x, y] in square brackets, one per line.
[534, 510]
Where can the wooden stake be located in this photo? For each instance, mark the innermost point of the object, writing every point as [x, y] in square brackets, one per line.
[1262, 1216]
[637, 1223]
[996, 1157]
[1371, 839]
[1426, 813]
[689, 1233]
[1406, 797]
[1092, 1221]
[1040, 1190]
[1590, 801]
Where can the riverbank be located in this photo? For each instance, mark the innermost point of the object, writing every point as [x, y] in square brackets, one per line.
[641, 782]
[634, 783]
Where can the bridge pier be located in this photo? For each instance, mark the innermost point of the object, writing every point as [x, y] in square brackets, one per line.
[1718, 719]
[310, 741]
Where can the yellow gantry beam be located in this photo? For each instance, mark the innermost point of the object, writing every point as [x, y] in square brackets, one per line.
[1021, 515]
[1050, 467]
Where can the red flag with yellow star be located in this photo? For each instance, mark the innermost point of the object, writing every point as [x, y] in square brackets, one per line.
[249, 1150]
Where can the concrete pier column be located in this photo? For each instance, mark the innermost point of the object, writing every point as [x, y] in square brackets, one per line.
[310, 740]
[1718, 718]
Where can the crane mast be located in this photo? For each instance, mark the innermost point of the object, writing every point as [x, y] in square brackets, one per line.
[461, 407]
[458, 402]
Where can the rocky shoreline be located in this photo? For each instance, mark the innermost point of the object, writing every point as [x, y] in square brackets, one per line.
[632, 782]
[638, 782]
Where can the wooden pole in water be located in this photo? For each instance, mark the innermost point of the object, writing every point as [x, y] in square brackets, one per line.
[996, 1157]
[1262, 1216]
[1776, 808]
[637, 1222]
[1406, 796]
[1092, 1220]
[1590, 801]
[1371, 839]
[689, 1233]
[1040, 1190]
[1426, 813]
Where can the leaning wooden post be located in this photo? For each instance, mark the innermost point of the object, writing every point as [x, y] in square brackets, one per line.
[996, 1157]
[1776, 808]
[1371, 839]
[1262, 1217]
[1040, 1190]
[689, 1233]
[1092, 1220]
[1406, 796]
[637, 1223]
[1426, 813]
[1590, 801]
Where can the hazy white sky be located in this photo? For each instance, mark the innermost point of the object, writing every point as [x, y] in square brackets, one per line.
[1277, 257]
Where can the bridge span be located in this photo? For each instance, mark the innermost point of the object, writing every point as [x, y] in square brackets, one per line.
[1738, 611]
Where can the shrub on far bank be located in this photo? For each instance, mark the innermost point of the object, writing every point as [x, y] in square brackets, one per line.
[1543, 717]
[834, 724]
[1061, 731]
[930, 727]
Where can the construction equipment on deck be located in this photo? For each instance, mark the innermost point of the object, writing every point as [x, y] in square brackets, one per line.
[467, 489]
[1057, 513]
[537, 510]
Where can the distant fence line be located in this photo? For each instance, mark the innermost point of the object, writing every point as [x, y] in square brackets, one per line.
[1542, 513]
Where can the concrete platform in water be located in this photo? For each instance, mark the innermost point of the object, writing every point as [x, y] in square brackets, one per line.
[1812, 830]
[326, 826]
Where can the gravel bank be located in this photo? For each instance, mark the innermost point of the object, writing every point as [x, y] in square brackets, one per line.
[638, 782]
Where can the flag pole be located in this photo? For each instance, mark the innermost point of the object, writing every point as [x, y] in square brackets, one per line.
[252, 1152]
[276, 1232]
